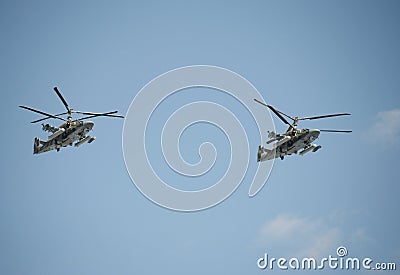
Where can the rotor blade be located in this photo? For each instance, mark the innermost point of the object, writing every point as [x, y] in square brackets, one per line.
[106, 115]
[324, 116]
[87, 117]
[62, 98]
[109, 114]
[262, 103]
[42, 113]
[282, 113]
[336, 131]
[35, 121]
[276, 112]
[91, 113]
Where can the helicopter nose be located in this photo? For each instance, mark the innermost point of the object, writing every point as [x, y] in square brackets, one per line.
[315, 132]
[89, 124]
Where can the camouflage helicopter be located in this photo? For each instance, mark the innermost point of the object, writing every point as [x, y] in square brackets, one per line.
[68, 132]
[294, 139]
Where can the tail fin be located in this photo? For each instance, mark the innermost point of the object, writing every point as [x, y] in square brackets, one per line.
[36, 145]
[259, 153]
[264, 154]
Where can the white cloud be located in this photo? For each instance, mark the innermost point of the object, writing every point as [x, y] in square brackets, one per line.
[285, 226]
[305, 237]
[386, 129]
[322, 244]
[298, 235]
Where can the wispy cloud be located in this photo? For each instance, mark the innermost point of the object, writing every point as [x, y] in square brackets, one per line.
[323, 243]
[306, 237]
[285, 226]
[386, 128]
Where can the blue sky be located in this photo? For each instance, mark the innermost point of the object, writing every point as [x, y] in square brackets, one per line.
[78, 212]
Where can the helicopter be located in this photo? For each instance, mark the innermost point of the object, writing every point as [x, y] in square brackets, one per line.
[294, 139]
[69, 131]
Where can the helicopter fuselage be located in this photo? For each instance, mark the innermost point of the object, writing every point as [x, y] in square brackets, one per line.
[290, 143]
[65, 135]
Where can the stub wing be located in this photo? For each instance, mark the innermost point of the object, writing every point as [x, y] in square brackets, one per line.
[312, 147]
[40, 146]
[265, 154]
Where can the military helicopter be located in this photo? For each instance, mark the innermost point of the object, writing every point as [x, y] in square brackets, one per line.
[68, 132]
[293, 139]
